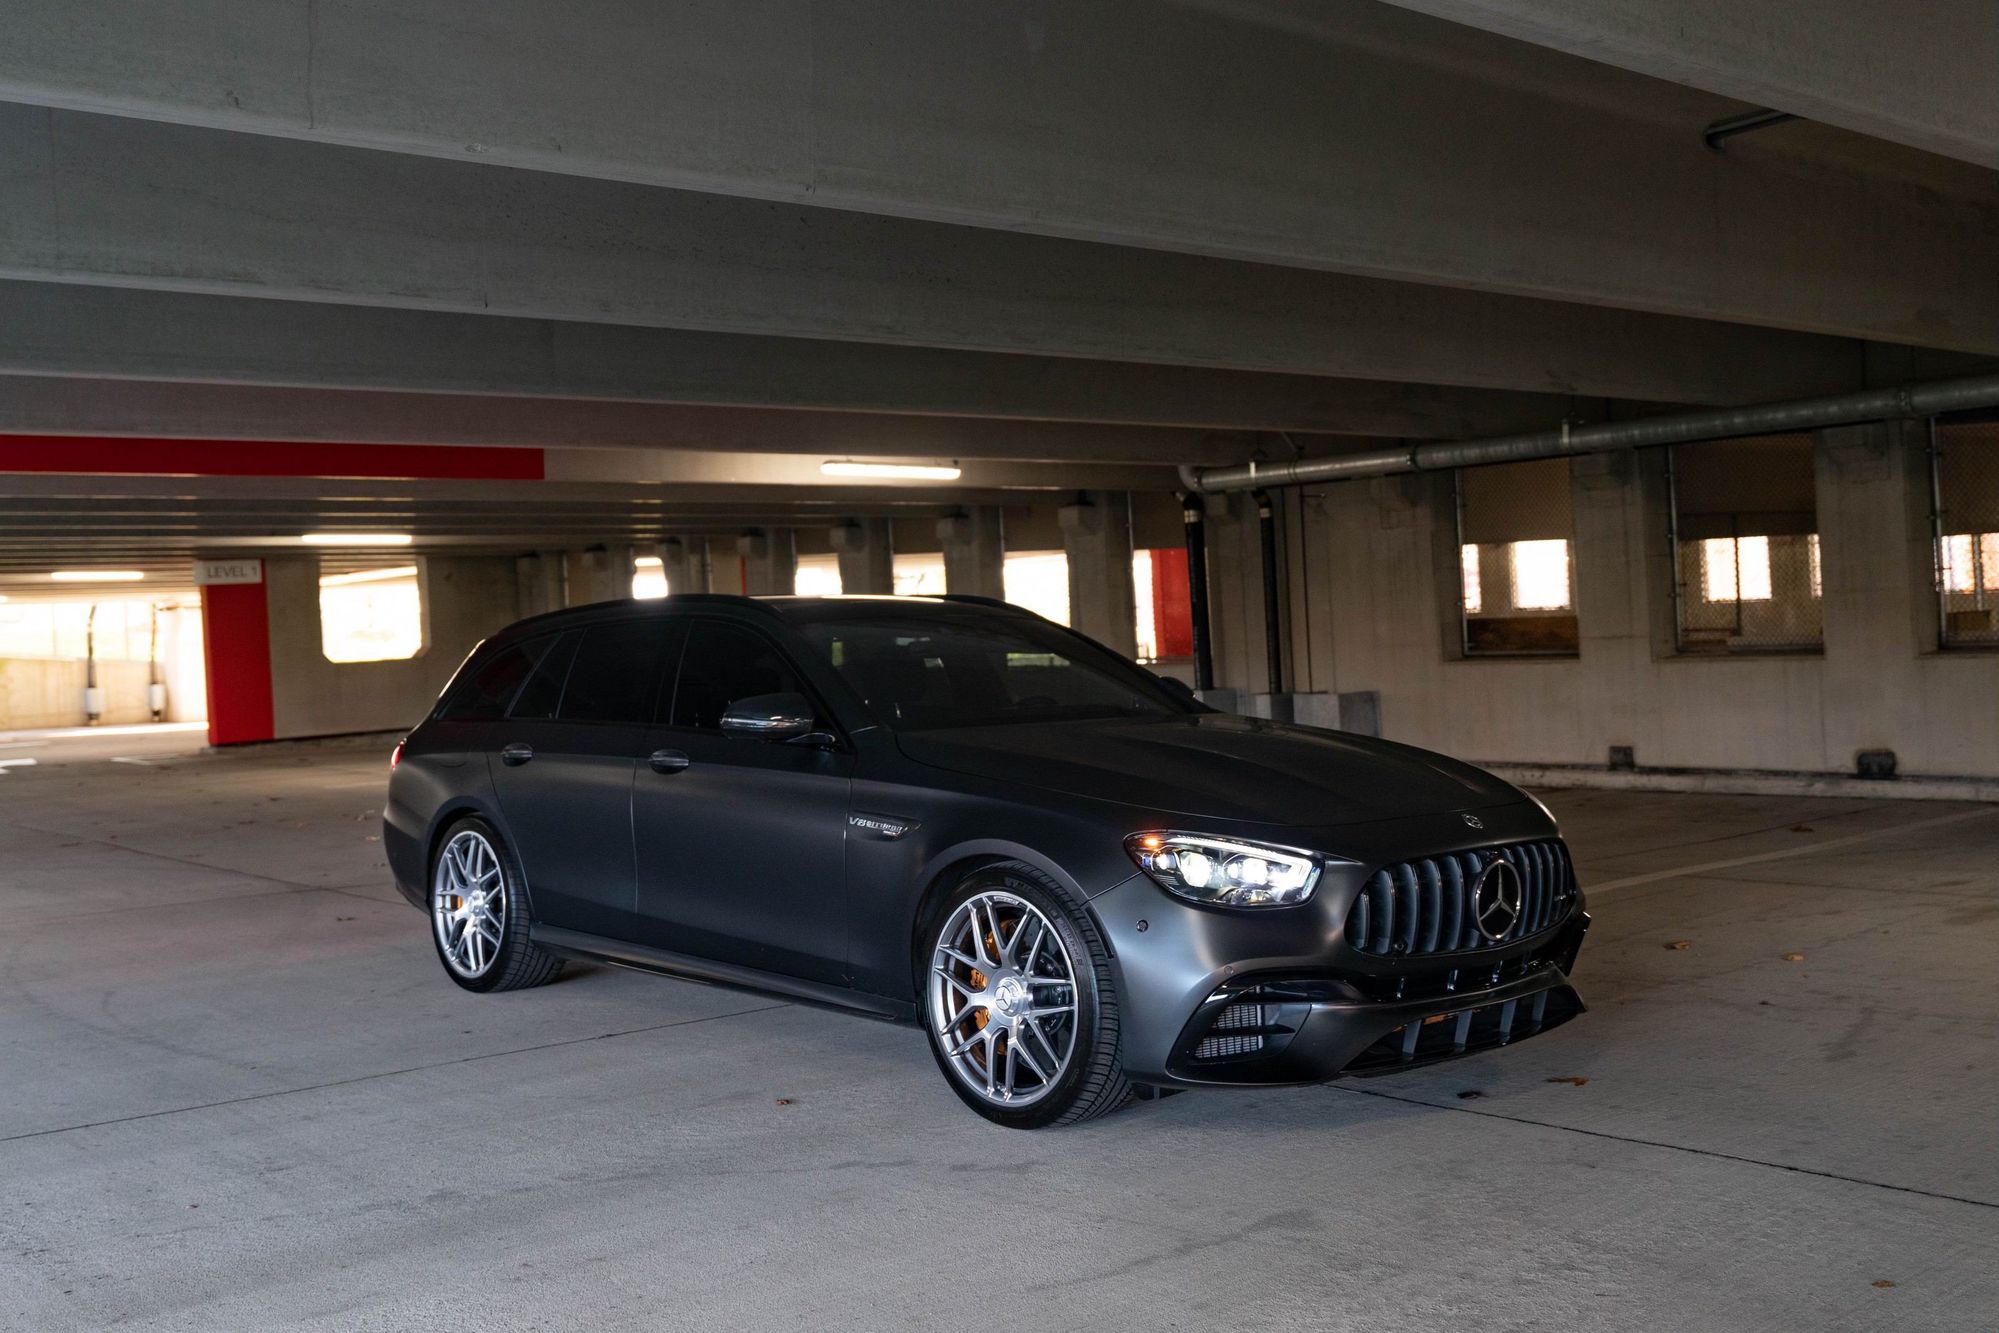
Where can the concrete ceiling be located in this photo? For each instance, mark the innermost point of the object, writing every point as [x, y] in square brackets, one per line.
[1064, 246]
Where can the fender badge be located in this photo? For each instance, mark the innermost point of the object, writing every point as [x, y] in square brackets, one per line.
[886, 828]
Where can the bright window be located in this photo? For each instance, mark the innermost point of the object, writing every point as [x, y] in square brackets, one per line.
[649, 577]
[919, 575]
[1147, 624]
[1468, 571]
[1735, 569]
[817, 576]
[1540, 575]
[1039, 581]
[1818, 574]
[370, 615]
[1960, 555]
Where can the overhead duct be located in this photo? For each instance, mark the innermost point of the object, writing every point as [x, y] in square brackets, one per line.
[1919, 400]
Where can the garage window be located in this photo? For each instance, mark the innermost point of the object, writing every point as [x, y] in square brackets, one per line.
[1746, 546]
[370, 615]
[817, 576]
[1965, 459]
[1039, 581]
[1516, 583]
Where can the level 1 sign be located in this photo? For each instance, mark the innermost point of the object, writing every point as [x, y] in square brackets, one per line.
[210, 573]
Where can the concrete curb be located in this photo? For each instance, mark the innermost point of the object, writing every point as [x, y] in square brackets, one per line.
[1554, 776]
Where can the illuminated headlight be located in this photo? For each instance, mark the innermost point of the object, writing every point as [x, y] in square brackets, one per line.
[1224, 872]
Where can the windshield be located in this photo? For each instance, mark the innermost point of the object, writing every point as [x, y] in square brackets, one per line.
[922, 673]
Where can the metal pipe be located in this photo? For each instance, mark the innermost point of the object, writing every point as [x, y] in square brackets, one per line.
[1713, 135]
[1266, 522]
[1192, 513]
[1910, 401]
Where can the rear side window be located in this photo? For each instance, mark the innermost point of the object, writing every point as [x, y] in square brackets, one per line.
[614, 674]
[724, 663]
[543, 691]
[491, 685]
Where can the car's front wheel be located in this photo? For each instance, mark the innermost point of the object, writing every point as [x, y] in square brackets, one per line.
[1019, 1001]
[478, 913]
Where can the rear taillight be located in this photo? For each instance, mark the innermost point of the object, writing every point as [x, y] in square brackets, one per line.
[397, 757]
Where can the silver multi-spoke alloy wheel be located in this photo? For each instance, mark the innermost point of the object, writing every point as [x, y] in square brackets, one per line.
[468, 904]
[1003, 999]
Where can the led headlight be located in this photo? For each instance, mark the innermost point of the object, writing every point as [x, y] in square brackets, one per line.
[1224, 872]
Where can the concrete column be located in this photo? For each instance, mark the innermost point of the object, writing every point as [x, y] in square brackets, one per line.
[1096, 533]
[1879, 598]
[771, 557]
[539, 582]
[683, 565]
[600, 574]
[974, 552]
[867, 559]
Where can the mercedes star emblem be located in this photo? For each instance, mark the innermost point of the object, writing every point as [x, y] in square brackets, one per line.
[1496, 897]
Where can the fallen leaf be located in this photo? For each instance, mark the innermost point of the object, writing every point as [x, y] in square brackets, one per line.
[1882, 1282]
[1470, 1094]
[1570, 1078]
[1794, 958]
[1679, 944]
[784, 1101]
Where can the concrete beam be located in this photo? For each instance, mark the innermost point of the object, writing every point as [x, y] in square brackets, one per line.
[174, 208]
[48, 405]
[112, 333]
[1377, 142]
[1915, 76]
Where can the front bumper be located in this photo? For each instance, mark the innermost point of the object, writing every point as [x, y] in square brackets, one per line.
[1213, 998]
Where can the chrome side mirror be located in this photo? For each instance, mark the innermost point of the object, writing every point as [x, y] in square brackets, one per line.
[769, 717]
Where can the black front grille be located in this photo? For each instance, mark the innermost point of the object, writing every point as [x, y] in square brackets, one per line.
[1425, 906]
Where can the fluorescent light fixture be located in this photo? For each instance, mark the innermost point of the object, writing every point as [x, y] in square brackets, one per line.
[846, 467]
[649, 562]
[357, 539]
[97, 575]
[368, 576]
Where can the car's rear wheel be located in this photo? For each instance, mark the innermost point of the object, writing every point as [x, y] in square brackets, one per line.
[1019, 1001]
[478, 913]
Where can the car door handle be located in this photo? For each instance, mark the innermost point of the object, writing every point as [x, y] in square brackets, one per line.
[516, 754]
[668, 761]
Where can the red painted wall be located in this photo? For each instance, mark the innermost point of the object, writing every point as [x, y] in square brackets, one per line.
[1172, 614]
[265, 458]
[236, 641]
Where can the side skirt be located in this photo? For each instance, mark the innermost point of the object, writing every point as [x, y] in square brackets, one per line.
[621, 953]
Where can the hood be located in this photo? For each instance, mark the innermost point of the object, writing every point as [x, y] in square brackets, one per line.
[1218, 766]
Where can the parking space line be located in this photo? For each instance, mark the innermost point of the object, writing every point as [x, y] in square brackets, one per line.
[1783, 853]
[1668, 1147]
[391, 1073]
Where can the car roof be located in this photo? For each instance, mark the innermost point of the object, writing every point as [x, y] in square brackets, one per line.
[786, 607]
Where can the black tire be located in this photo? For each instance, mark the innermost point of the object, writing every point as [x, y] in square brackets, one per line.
[516, 962]
[1092, 1083]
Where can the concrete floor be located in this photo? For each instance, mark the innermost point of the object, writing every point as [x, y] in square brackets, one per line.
[237, 1093]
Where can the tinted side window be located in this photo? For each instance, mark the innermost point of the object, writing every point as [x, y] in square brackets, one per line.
[543, 691]
[614, 674]
[492, 684]
[724, 663]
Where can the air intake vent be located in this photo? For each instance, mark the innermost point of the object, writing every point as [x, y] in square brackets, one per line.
[1431, 906]
[1225, 1036]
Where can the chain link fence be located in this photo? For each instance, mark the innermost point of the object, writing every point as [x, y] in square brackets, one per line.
[1746, 546]
[1516, 577]
[1964, 458]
